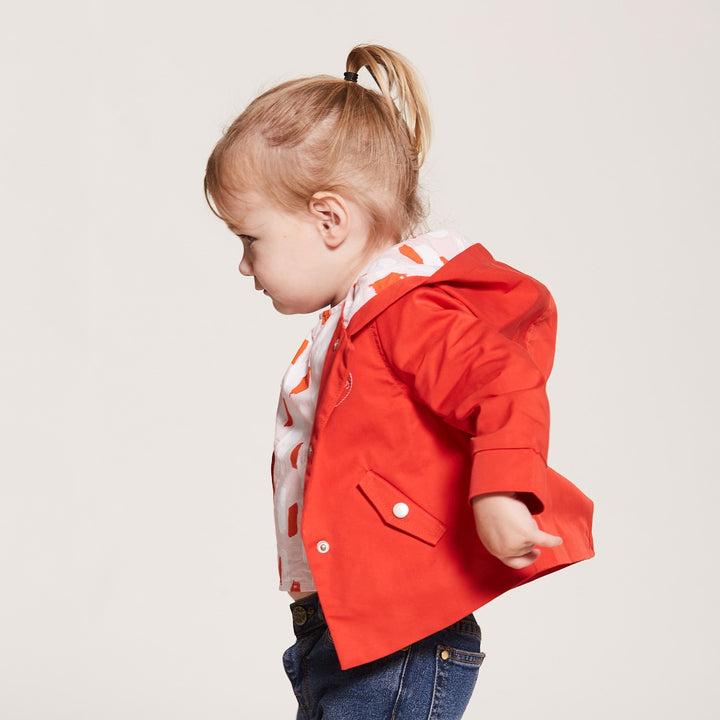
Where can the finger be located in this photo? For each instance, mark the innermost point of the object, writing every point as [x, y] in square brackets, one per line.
[521, 561]
[544, 539]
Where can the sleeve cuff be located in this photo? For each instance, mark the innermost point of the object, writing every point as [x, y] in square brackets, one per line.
[518, 470]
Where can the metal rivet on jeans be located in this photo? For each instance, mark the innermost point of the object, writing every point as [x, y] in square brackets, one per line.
[299, 615]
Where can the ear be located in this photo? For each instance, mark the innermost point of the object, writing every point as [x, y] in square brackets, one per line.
[330, 212]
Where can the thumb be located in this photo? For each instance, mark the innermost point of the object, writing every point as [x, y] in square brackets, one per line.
[543, 539]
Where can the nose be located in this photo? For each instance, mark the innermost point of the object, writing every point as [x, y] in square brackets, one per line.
[245, 266]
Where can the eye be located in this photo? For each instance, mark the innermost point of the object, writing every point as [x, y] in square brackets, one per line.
[249, 239]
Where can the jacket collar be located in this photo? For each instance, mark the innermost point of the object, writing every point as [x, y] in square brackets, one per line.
[456, 270]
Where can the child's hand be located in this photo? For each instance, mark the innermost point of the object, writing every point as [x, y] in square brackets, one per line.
[508, 530]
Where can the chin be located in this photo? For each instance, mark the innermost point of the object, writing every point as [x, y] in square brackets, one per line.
[295, 309]
[284, 309]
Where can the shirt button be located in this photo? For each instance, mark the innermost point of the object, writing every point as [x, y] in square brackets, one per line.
[310, 451]
[323, 546]
[400, 510]
[335, 344]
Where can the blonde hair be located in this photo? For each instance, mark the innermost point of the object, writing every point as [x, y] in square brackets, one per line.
[328, 134]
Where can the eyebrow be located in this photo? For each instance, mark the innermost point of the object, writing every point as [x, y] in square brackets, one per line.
[235, 224]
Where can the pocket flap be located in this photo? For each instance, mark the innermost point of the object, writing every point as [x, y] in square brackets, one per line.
[400, 511]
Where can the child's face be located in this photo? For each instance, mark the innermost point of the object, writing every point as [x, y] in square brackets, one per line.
[287, 256]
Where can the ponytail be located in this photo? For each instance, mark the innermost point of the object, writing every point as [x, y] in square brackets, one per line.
[399, 85]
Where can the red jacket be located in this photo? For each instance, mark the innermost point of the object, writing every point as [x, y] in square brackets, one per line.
[434, 393]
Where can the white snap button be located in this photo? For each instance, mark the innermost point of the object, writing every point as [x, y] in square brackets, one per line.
[400, 510]
[323, 546]
[335, 344]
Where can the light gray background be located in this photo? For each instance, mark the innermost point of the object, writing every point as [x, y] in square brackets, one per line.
[578, 140]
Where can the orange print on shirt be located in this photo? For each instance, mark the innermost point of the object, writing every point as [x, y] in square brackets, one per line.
[294, 455]
[304, 384]
[408, 252]
[385, 282]
[293, 520]
[324, 317]
[295, 587]
[300, 351]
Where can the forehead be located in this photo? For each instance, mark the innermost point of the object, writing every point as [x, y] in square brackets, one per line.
[240, 209]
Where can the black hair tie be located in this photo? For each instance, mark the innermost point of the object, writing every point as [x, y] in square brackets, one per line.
[351, 76]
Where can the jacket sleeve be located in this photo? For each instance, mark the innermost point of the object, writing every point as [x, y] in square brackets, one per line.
[478, 357]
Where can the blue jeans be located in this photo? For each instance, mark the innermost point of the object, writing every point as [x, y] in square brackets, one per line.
[432, 679]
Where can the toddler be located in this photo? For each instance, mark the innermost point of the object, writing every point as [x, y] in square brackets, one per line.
[409, 469]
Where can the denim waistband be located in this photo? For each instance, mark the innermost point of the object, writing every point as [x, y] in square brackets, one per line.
[307, 615]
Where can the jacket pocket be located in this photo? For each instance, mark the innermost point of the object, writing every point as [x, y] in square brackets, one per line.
[399, 511]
